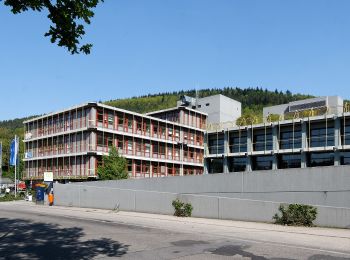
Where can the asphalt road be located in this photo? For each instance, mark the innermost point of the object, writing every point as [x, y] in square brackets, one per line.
[28, 231]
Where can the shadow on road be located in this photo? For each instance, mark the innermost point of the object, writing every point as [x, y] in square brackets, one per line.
[25, 239]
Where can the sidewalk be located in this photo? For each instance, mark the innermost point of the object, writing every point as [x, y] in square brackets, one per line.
[327, 239]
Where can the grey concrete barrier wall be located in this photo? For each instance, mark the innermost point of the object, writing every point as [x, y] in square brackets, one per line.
[328, 186]
[252, 196]
[204, 206]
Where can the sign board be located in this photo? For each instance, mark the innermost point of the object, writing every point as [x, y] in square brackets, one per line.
[48, 176]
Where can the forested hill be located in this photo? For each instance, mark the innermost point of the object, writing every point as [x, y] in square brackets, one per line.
[252, 99]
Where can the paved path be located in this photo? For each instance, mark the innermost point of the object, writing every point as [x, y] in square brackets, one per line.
[42, 232]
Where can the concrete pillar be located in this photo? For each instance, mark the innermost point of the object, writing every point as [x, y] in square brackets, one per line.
[249, 150]
[274, 147]
[249, 167]
[226, 150]
[92, 142]
[337, 140]
[304, 144]
[206, 165]
[92, 117]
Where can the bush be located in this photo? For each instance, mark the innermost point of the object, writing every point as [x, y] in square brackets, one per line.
[182, 209]
[11, 197]
[296, 215]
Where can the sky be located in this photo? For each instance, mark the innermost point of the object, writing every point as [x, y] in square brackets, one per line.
[153, 46]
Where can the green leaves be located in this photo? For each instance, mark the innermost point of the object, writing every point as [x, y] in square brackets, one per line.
[296, 215]
[66, 16]
[113, 166]
[182, 209]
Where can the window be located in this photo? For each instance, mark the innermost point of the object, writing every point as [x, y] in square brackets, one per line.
[130, 121]
[207, 104]
[289, 139]
[345, 158]
[238, 142]
[320, 135]
[320, 159]
[110, 119]
[129, 145]
[262, 140]
[345, 132]
[147, 147]
[237, 164]
[216, 144]
[216, 166]
[289, 161]
[262, 162]
[100, 116]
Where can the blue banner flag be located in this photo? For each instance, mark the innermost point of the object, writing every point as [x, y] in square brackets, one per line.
[13, 152]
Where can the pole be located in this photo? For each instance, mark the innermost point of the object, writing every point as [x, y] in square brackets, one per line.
[0, 159]
[15, 166]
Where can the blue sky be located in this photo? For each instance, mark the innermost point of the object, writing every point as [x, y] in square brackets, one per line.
[153, 46]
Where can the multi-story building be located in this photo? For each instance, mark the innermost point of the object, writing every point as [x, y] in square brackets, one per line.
[320, 139]
[177, 141]
[70, 143]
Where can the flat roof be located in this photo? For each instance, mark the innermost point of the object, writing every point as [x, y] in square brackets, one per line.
[176, 108]
[96, 104]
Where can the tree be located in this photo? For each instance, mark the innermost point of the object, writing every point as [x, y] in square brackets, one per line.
[65, 16]
[113, 166]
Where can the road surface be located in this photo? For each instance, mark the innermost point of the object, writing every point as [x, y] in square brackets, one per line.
[28, 231]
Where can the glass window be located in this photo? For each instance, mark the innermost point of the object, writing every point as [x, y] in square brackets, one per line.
[289, 161]
[320, 135]
[215, 165]
[320, 159]
[110, 119]
[237, 164]
[345, 158]
[262, 140]
[345, 132]
[216, 144]
[238, 142]
[289, 139]
[262, 162]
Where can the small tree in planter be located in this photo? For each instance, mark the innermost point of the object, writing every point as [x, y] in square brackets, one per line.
[182, 209]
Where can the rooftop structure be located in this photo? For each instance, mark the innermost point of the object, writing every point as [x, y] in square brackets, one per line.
[317, 106]
[219, 108]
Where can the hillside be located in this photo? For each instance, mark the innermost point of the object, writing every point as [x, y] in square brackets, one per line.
[252, 99]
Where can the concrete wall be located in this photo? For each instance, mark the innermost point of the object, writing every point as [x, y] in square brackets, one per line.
[253, 196]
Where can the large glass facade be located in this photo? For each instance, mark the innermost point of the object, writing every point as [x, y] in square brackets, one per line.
[216, 144]
[289, 137]
[289, 161]
[262, 162]
[321, 134]
[238, 142]
[320, 159]
[237, 164]
[262, 140]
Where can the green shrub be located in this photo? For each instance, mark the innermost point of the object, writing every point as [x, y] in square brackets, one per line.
[11, 197]
[182, 209]
[296, 215]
